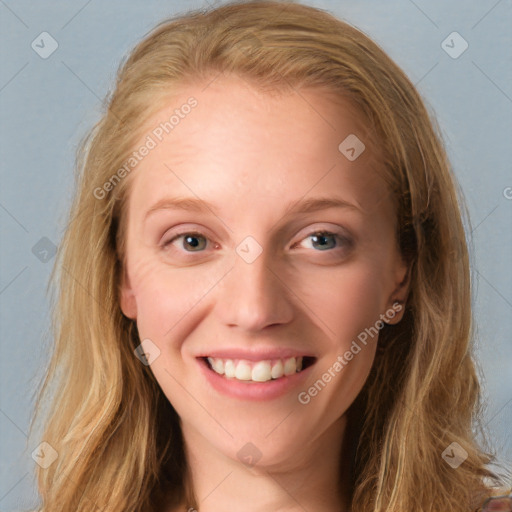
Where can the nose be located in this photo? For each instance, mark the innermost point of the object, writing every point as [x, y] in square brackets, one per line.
[254, 295]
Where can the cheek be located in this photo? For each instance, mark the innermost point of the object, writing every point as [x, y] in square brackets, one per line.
[346, 301]
[348, 305]
[164, 297]
[171, 303]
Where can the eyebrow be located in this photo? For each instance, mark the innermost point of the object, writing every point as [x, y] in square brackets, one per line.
[202, 206]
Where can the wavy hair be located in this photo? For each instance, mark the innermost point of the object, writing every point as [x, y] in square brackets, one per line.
[117, 436]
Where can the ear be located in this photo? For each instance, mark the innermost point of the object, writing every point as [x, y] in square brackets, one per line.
[127, 300]
[398, 298]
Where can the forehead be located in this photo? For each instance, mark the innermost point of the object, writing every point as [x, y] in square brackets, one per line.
[238, 142]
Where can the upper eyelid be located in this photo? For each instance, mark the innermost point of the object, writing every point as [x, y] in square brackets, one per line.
[339, 236]
[183, 233]
[336, 229]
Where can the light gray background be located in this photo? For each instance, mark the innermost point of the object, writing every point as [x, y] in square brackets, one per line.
[47, 105]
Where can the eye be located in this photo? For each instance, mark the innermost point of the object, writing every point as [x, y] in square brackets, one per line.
[325, 240]
[193, 240]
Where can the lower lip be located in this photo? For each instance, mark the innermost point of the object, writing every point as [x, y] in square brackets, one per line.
[249, 390]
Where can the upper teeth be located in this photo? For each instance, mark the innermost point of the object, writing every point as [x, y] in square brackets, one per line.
[259, 371]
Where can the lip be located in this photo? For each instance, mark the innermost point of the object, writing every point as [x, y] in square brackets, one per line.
[256, 355]
[248, 390]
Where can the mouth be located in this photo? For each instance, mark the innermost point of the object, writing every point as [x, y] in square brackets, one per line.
[258, 371]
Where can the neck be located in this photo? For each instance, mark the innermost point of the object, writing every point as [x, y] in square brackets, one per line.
[314, 478]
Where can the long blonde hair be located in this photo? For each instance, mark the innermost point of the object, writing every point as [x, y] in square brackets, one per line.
[118, 438]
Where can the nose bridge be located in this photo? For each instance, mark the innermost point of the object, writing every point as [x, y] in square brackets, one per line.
[253, 296]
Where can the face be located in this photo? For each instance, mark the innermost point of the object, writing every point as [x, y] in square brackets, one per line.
[252, 240]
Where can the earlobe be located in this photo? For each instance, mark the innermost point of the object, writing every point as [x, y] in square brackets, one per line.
[127, 297]
[398, 299]
[395, 313]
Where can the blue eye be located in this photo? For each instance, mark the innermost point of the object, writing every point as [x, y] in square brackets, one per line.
[320, 240]
[195, 241]
[325, 240]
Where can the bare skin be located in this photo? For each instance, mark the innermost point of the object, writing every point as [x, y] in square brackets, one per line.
[252, 154]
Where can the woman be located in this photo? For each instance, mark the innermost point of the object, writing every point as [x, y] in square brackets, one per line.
[264, 297]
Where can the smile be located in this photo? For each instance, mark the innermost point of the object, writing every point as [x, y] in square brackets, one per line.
[258, 371]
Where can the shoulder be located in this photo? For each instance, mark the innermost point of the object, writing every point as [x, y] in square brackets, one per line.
[497, 498]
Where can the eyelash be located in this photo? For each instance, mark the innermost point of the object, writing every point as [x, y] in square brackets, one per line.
[342, 240]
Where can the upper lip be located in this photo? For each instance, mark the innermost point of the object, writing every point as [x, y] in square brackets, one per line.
[260, 354]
